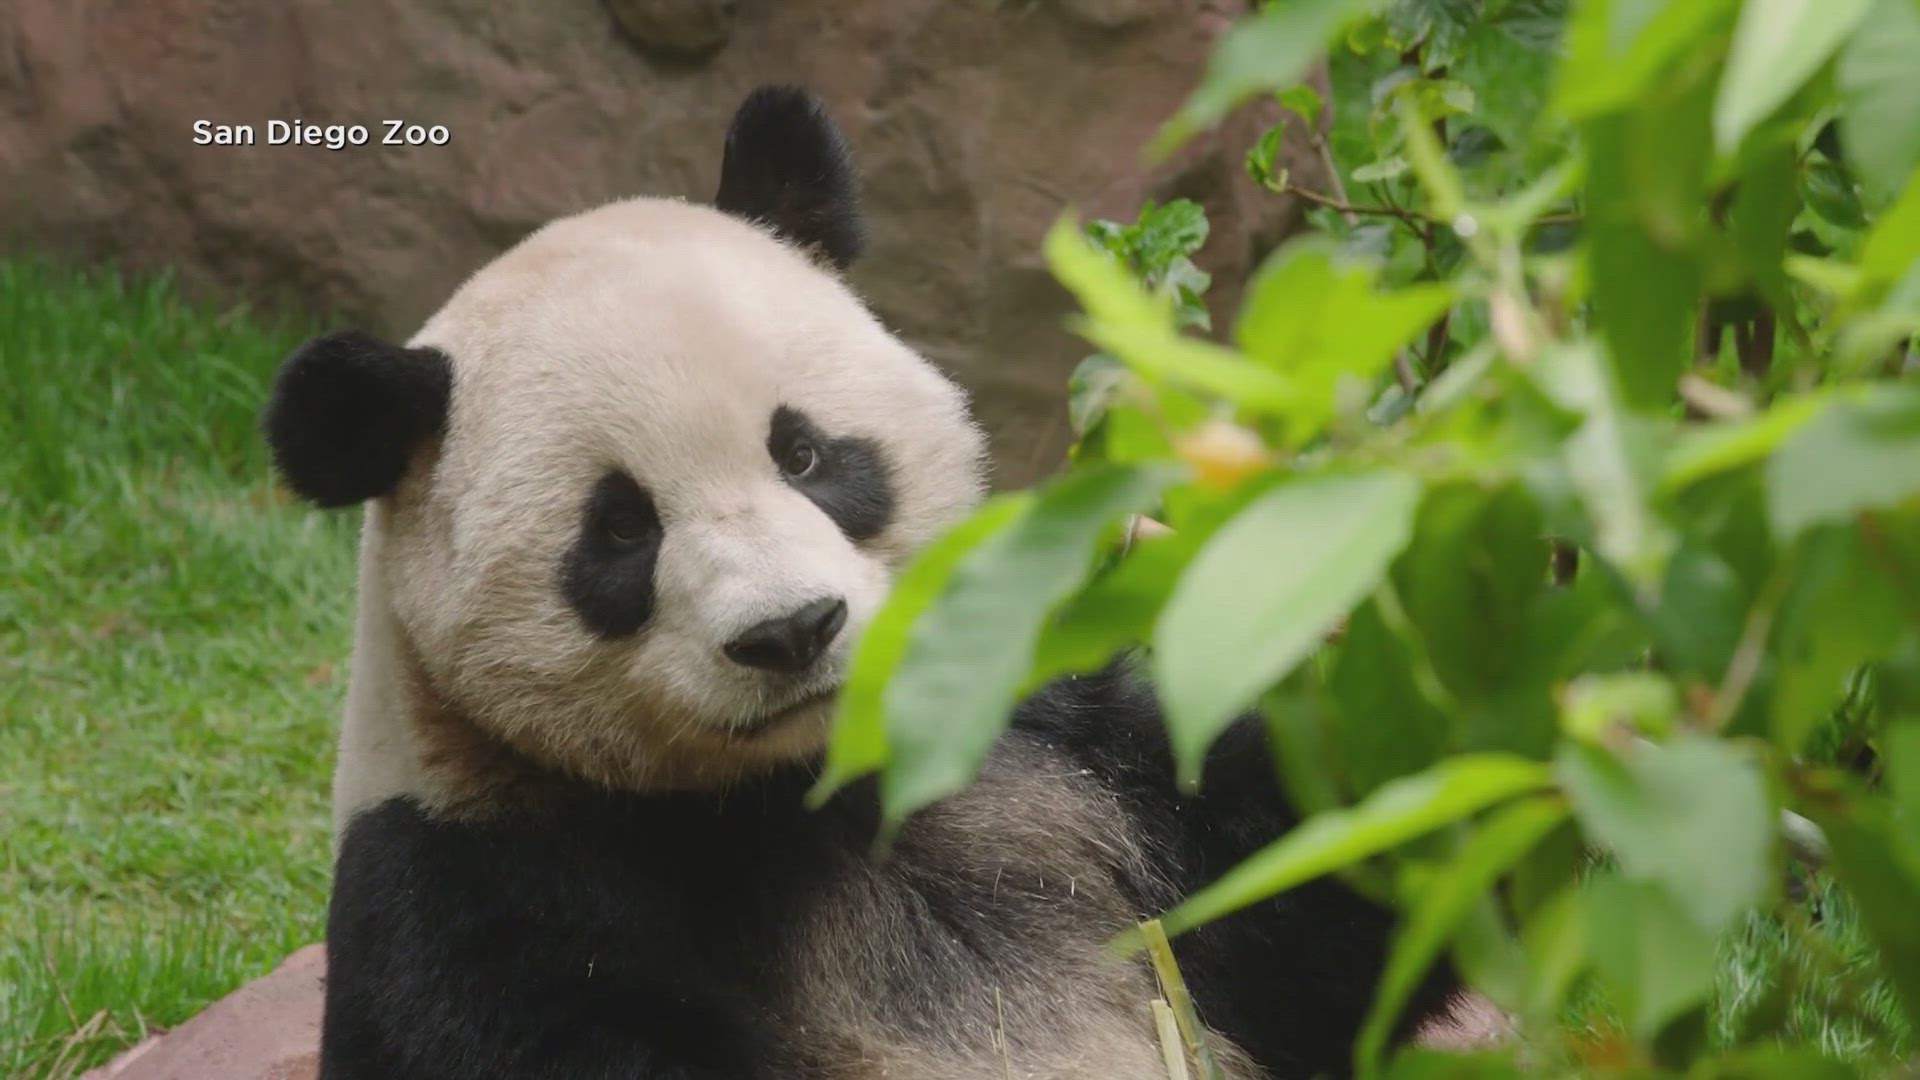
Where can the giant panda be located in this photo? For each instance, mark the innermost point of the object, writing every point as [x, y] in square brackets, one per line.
[630, 496]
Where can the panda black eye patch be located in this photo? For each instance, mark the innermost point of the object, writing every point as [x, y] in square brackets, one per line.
[846, 477]
[607, 572]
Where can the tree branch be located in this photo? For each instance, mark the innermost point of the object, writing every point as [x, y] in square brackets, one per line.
[1411, 217]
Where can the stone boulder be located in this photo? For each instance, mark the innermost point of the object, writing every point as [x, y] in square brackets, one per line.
[976, 125]
[269, 1029]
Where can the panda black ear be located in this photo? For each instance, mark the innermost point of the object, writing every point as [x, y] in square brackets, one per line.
[347, 412]
[787, 166]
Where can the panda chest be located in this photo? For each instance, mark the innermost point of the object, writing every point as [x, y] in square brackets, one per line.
[975, 941]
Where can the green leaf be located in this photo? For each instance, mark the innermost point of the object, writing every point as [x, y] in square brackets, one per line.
[1491, 958]
[1434, 99]
[1169, 232]
[1117, 610]
[1305, 741]
[1776, 1063]
[1268, 50]
[1615, 48]
[859, 742]
[1386, 168]
[1841, 613]
[1702, 613]
[1552, 187]
[1692, 816]
[1418, 1063]
[1317, 322]
[970, 651]
[1474, 146]
[1892, 250]
[1091, 388]
[1446, 195]
[1493, 848]
[1879, 82]
[1829, 276]
[1777, 45]
[1531, 24]
[1264, 592]
[1830, 192]
[1555, 941]
[1138, 329]
[1595, 705]
[1861, 453]
[1303, 101]
[1468, 581]
[1764, 205]
[1901, 750]
[1646, 285]
[1609, 460]
[1710, 449]
[1657, 959]
[1263, 159]
[1386, 725]
[1400, 811]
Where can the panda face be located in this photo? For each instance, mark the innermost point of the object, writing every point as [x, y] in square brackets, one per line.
[674, 467]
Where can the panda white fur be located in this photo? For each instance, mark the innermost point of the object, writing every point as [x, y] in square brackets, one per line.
[630, 496]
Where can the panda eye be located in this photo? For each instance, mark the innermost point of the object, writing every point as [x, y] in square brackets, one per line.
[625, 530]
[799, 460]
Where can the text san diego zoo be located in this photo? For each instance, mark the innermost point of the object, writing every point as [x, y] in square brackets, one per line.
[327, 136]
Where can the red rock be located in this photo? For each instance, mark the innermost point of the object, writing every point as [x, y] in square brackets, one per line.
[976, 125]
[268, 1029]
[675, 27]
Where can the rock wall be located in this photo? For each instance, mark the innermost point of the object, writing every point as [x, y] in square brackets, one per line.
[975, 123]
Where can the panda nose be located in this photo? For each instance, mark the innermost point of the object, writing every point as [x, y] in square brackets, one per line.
[789, 643]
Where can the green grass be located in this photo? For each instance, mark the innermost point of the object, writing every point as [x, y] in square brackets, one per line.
[1801, 975]
[1835, 999]
[173, 638]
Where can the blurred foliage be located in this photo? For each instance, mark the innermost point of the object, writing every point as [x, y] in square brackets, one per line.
[1587, 410]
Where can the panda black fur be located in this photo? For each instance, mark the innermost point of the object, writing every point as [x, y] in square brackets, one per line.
[631, 494]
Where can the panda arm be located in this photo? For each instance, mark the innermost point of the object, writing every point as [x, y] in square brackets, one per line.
[1110, 722]
[461, 953]
[1290, 979]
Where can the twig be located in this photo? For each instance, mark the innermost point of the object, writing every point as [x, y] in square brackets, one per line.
[1173, 1056]
[1437, 341]
[1411, 217]
[1751, 648]
[1711, 400]
[1755, 344]
[1319, 140]
[1174, 990]
[1805, 840]
[1403, 371]
[1349, 211]
[67, 1061]
[59, 987]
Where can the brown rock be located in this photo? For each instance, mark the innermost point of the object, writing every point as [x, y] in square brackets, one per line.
[1113, 14]
[268, 1029]
[976, 124]
[675, 27]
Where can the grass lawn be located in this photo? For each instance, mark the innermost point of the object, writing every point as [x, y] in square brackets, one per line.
[173, 638]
